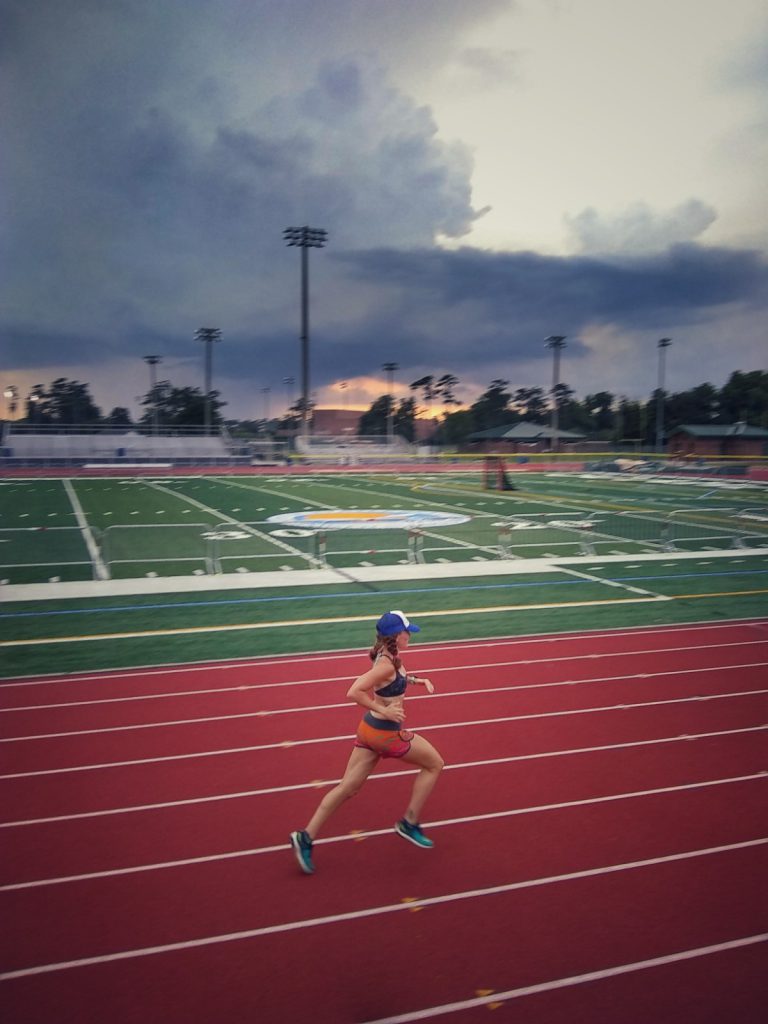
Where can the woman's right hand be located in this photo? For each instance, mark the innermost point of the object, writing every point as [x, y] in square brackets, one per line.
[392, 712]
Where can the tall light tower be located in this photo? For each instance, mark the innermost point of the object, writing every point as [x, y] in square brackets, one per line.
[266, 392]
[662, 345]
[152, 362]
[305, 238]
[208, 335]
[557, 343]
[389, 369]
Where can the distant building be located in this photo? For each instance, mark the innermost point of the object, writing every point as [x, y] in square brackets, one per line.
[335, 421]
[692, 440]
[340, 422]
[520, 437]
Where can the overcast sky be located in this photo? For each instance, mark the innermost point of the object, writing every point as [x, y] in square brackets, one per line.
[489, 173]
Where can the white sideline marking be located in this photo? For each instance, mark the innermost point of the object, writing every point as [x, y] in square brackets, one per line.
[356, 915]
[188, 861]
[445, 668]
[574, 979]
[685, 738]
[332, 739]
[102, 573]
[226, 665]
[345, 704]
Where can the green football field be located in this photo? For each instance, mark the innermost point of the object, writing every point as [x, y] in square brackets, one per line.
[191, 569]
[116, 528]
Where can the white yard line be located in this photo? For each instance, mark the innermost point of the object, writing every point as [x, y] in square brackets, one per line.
[233, 522]
[102, 573]
[569, 570]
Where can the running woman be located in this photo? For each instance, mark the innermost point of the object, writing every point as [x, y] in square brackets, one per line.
[380, 692]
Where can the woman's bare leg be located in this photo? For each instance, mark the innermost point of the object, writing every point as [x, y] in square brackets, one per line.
[423, 754]
[360, 765]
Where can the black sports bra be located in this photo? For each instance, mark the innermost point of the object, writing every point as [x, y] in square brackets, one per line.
[394, 689]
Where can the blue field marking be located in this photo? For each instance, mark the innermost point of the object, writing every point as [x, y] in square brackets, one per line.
[290, 597]
[383, 593]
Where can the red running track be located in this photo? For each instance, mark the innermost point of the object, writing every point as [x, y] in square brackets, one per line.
[600, 839]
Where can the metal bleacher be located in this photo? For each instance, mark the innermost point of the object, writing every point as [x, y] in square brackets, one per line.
[130, 447]
[351, 449]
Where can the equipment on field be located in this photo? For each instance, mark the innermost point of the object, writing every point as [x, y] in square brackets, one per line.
[495, 476]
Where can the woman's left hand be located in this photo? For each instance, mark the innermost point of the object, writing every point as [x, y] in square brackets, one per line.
[425, 683]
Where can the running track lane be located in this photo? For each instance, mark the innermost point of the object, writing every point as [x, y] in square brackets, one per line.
[98, 916]
[273, 670]
[344, 876]
[258, 822]
[433, 955]
[94, 789]
[62, 713]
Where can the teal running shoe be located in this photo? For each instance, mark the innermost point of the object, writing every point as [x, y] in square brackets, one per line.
[302, 848]
[413, 834]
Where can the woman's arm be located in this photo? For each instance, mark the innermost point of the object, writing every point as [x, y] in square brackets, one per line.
[416, 681]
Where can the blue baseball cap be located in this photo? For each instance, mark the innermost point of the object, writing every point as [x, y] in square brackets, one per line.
[392, 623]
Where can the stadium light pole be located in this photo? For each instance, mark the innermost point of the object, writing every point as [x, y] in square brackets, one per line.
[389, 369]
[305, 238]
[32, 402]
[208, 335]
[662, 345]
[266, 391]
[557, 343]
[152, 362]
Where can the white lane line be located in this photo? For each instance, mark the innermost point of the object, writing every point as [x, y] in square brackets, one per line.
[245, 794]
[431, 669]
[644, 676]
[574, 979]
[227, 665]
[284, 744]
[541, 808]
[102, 573]
[356, 915]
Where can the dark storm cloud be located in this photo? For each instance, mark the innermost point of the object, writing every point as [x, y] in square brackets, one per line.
[143, 205]
[511, 298]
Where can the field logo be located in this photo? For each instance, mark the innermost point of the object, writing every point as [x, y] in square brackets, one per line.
[370, 519]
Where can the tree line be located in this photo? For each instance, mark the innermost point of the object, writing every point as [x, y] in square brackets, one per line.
[69, 402]
[601, 415]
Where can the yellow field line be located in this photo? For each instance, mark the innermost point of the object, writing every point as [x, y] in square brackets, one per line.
[341, 620]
